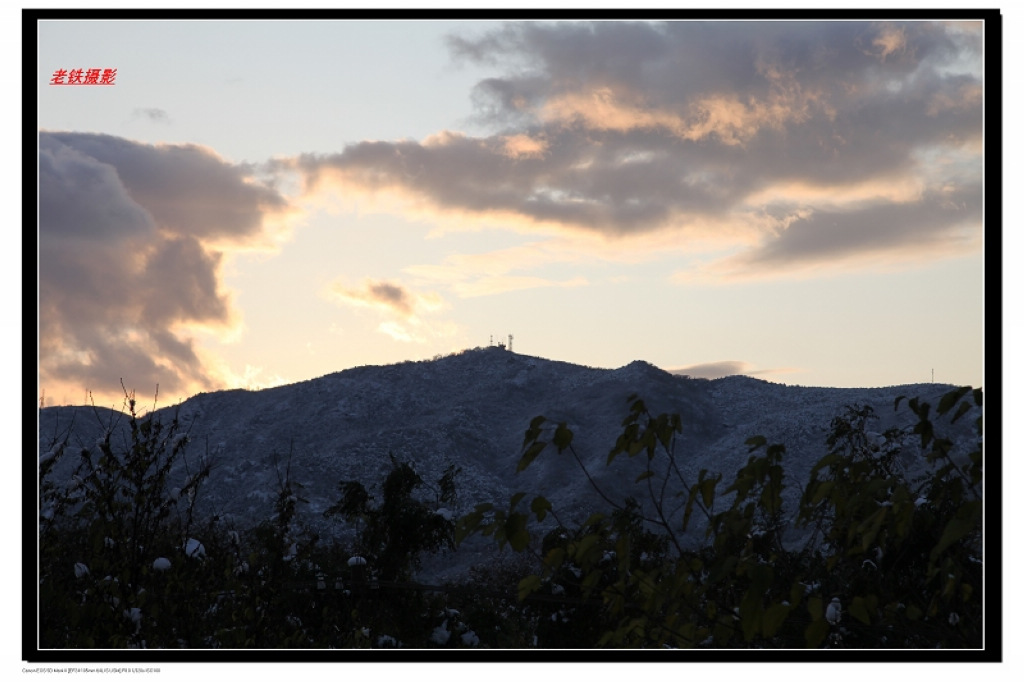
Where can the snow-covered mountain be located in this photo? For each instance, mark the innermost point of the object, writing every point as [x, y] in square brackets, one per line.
[472, 409]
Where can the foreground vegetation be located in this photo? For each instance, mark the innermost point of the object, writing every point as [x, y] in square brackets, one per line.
[880, 560]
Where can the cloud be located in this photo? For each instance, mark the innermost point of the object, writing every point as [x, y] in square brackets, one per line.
[760, 134]
[713, 370]
[131, 241]
[378, 293]
[889, 40]
[725, 368]
[187, 188]
[525, 147]
[937, 218]
[387, 296]
[152, 113]
[939, 224]
[403, 307]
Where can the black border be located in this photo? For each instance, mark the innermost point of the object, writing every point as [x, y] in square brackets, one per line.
[992, 652]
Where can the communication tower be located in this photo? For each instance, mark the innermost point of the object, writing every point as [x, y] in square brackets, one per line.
[501, 344]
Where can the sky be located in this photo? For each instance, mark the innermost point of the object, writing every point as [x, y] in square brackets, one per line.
[259, 203]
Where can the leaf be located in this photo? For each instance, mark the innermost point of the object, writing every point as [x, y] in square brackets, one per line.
[515, 532]
[585, 548]
[590, 581]
[815, 633]
[774, 617]
[859, 611]
[665, 432]
[534, 431]
[756, 442]
[540, 506]
[815, 608]
[750, 618]
[554, 558]
[644, 476]
[623, 442]
[826, 461]
[965, 522]
[707, 489]
[950, 399]
[796, 594]
[563, 437]
[965, 592]
[530, 455]
[528, 586]
[924, 427]
[822, 490]
[964, 408]
[514, 501]
[870, 526]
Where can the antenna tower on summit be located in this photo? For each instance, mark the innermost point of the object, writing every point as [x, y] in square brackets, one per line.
[509, 343]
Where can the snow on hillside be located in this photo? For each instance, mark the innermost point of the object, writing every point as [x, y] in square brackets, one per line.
[471, 410]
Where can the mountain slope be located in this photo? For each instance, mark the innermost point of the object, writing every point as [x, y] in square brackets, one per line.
[472, 410]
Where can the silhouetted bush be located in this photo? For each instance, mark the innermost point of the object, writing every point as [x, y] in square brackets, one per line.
[901, 558]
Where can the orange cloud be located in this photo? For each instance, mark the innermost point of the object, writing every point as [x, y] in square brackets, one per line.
[602, 109]
[890, 40]
[732, 118]
[757, 149]
[524, 147]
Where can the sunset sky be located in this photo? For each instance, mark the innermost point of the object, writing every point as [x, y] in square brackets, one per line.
[264, 202]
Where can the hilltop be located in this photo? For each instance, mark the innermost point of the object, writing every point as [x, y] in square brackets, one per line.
[471, 410]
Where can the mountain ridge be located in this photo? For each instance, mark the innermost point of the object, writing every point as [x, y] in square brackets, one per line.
[471, 410]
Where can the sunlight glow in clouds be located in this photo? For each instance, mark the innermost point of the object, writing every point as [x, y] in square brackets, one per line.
[800, 123]
[657, 162]
[131, 242]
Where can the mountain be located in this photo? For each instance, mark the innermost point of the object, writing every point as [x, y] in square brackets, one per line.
[472, 409]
